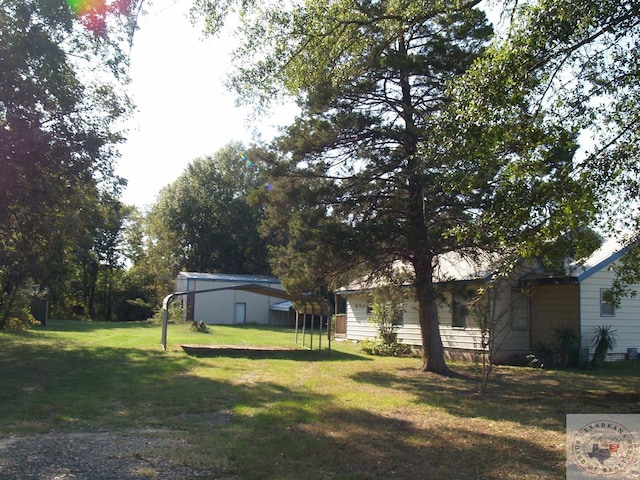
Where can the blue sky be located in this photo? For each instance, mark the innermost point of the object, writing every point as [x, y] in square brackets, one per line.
[183, 109]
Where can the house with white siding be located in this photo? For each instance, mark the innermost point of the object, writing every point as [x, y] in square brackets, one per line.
[457, 280]
[525, 307]
[579, 300]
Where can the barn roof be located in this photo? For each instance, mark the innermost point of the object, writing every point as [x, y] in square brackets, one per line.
[228, 277]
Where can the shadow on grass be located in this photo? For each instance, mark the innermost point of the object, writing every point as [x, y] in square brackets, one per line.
[257, 429]
[356, 443]
[61, 325]
[530, 397]
[52, 386]
[391, 446]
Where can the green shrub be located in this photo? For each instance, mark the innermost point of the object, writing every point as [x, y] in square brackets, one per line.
[387, 316]
[199, 327]
[568, 343]
[543, 355]
[16, 314]
[604, 339]
[382, 348]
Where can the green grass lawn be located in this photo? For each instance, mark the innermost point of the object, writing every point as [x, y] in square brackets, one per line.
[298, 414]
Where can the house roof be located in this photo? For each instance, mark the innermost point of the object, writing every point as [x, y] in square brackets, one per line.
[610, 251]
[450, 267]
[458, 266]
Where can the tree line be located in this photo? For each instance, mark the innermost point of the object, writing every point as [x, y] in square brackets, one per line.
[421, 131]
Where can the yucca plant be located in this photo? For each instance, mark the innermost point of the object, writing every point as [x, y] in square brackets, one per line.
[568, 344]
[604, 339]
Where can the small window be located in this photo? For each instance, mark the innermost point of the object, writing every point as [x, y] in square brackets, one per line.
[458, 312]
[606, 303]
[520, 308]
[395, 312]
[398, 315]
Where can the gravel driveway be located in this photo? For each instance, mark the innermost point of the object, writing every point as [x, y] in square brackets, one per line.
[93, 456]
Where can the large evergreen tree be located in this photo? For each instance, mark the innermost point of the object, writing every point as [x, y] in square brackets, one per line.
[373, 173]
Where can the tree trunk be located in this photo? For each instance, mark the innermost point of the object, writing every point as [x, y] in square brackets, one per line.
[432, 348]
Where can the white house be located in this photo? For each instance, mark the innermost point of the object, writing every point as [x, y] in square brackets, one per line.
[526, 307]
[457, 280]
[233, 299]
[579, 300]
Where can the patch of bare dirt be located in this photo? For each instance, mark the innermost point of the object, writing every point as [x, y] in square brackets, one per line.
[93, 456]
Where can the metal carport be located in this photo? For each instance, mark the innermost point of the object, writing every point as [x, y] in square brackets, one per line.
[305, 305]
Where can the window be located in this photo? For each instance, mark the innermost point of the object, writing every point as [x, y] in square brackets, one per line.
[393, 312]
[458, 311]
[369, 309]
[398, 314]
[520, 308]
[606, 303]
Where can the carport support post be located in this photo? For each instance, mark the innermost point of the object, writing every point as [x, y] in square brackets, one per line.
[304, 324]
[165, 319]
[329, 325]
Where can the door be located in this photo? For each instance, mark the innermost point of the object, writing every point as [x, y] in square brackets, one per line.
[341, 325]
[241, 313]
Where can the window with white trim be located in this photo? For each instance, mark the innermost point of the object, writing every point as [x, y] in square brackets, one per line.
[607, 309]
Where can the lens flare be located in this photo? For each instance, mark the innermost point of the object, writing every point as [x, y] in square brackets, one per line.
[248, 163]
[93, 13]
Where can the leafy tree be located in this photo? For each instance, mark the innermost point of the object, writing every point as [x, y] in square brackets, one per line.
[142, 290]
[107, 262]
[375, 173]
[575, 66]
[204, 222]
[387, 307]
[57, 136]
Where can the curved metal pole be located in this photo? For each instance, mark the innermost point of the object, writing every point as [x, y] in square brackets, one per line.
[165, 318]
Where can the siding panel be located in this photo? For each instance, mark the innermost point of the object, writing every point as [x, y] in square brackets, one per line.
[463, 339]
[626, 319]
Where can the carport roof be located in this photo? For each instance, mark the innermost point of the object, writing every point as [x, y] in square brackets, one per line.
[305, 304]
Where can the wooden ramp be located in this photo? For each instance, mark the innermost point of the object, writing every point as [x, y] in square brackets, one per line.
[238, 350]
